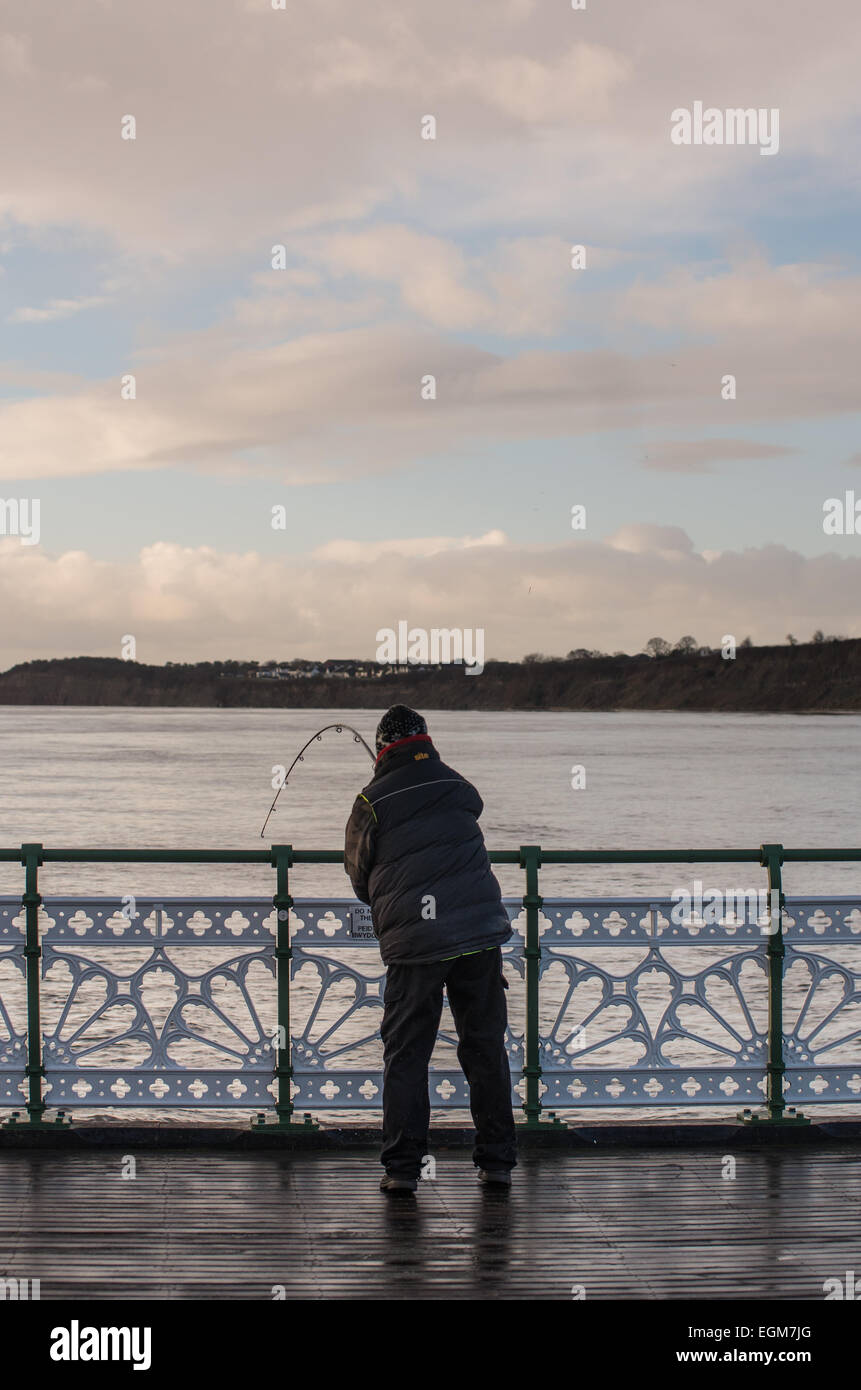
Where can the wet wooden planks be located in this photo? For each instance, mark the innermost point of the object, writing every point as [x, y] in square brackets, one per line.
[621, 1223]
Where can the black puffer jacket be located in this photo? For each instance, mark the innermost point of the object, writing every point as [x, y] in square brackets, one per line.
[415, 852]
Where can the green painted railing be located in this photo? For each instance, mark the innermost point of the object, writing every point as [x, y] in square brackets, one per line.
[530, 858]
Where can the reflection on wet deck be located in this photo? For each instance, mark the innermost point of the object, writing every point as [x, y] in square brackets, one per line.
[619, 1223]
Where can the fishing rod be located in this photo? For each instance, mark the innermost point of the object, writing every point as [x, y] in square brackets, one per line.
[300, 758]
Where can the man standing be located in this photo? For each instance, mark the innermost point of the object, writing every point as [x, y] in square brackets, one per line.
[415, 852]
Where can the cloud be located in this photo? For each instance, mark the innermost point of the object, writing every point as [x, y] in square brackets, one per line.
[15, 59]
[517, 286]
[577, 85]
[355, 552]
[642, 538]
[264, 127]
[693, 456]
[429, 272]
[290, 114]
[184, 603]
[802, 300]
[55, 309]
[322, 405]
[38, 379]
[408, 258]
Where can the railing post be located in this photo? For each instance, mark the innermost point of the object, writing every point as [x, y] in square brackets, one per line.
[771, 857]
[31, 858]
[530, 859]
[282, 859]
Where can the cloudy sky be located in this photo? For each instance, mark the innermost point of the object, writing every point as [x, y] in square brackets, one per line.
[301, 386]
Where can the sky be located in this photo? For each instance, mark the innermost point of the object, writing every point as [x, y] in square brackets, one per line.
[236, 276]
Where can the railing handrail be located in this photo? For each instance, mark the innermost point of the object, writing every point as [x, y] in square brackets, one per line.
[330, 899]
[283, 857]
[335, 856]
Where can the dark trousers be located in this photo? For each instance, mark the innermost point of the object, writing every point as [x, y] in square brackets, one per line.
[411, 1016]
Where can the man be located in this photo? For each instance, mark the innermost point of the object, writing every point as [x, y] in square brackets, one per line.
[415, 852]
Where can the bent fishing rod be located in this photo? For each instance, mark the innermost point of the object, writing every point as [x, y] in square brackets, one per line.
[300, 758]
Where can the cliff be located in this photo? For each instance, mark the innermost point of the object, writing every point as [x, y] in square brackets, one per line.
[822, 677]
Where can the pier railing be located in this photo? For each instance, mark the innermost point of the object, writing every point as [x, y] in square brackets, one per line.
[273, 1005]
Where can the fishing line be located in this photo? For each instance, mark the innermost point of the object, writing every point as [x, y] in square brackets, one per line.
[300, 758]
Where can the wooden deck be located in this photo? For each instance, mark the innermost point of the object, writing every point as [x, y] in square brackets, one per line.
[624, 1224]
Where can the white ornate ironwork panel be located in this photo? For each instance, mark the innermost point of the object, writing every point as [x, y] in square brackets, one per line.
[822, 999]
[644, 1003]
[172, 1002]
[158, 1003]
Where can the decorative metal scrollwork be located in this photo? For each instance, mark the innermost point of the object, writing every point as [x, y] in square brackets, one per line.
[174, 1004]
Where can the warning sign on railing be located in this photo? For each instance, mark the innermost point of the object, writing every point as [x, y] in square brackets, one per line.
[361, 925]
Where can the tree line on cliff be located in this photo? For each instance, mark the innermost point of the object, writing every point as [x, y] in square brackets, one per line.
[820, 675]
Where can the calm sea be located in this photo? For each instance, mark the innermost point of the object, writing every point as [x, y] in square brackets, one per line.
[202, 779]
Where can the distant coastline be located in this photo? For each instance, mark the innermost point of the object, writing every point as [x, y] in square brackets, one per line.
[810, 677]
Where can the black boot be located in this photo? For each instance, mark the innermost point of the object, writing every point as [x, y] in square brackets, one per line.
[496, 1177]
[398, 1187]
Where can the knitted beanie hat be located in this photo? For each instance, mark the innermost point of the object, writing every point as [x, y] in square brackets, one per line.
[398, 722]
